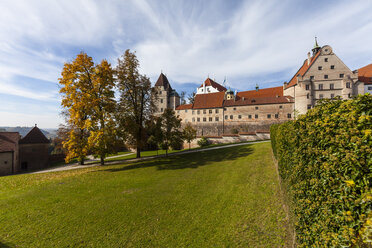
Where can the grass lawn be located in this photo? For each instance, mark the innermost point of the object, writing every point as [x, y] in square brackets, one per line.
[220, 198]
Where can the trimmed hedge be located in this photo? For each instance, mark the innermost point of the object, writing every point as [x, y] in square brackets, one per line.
[325, 163]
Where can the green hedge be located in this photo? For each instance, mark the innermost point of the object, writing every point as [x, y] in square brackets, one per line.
[325, 163]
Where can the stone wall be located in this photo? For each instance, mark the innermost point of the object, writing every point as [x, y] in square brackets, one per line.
[33, 156]
[6, 163]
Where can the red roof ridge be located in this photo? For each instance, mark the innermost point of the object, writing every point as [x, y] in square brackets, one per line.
[210, 82]
[365, 74]
[184, 106]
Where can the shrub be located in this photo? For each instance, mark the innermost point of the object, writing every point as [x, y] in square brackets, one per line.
[325, 162]
[203, 142]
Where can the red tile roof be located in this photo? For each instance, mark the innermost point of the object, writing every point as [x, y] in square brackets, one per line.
[259, 100]
[210, 82]
[184, 106]
[268, 92]
[365, 74]
[303, 69]
[35, 136]
[9, 141]
[211, 100]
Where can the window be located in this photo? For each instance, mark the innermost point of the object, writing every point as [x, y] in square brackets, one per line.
[160, 92]
[276, 116]
[319, 68]
[325, 59]
[309, 106]
[341, 75]
[204, 111]
[253, 100]
[193, 112]
[369, 88]
[234, 108]
[198, 112]
[161, 100]
[256, 116]
[204, 119]
[210, 119]
[256, 108]
[332, 86]
[320, 86]
[348, 85]
[210, 111]
[311, 77]
[332, 96]
[216, 111]
[307, 87]
[231, 117]
[239, 116]
[216, 119]
[198, 119]
[280, 106]
[308, 96]
[325, 76]
[249, 116]
[225, 117]
[332, 67]
[224, 109]
[289, 115]
[161, 109]
[185, 110]
[320, 96]
[268, 116]
[178, 111]
[349, 95]
[193, 119]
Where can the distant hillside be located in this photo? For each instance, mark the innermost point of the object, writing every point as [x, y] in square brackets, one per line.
[48, 132]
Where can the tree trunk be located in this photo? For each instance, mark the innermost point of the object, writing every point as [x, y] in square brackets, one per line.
[81, 161]
[166, 152]
[189, 145]
[138, 152]
[102, 160]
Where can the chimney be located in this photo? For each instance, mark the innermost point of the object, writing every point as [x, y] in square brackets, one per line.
[308, 58]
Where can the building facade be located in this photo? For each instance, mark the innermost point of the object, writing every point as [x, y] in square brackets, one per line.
[164, 97]
[217, 111]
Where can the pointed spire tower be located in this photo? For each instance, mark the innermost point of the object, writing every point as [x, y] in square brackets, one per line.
[316, 47]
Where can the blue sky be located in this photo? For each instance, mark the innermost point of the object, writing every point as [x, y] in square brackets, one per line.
[248, 42]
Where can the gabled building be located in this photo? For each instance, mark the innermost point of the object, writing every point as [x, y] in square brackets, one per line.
[322, 75]
[365, 76]
[23, 154]
[210, 86]
[166, 97]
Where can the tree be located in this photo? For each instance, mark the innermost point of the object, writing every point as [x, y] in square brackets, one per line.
[191, 97]
[189, 133]
[76, 82]
[171, 125]
[102, 101]
[155, 133]
[182, 97]
[135, 102]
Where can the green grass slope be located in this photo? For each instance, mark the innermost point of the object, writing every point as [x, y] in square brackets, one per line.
[221, 198]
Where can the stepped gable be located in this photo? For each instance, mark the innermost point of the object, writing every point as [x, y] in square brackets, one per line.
[211, 100]
[303, 69]
[365, 74]
[9, 141]
[163, 81]
[210, 82]
[267, 92]
[35, 136]
[259, 101]
[184, 106]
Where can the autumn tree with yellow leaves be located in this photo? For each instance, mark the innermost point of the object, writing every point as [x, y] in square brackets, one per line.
[88, 102]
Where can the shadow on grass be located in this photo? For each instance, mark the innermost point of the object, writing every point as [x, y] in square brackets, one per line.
[191, 160]
[2, 245]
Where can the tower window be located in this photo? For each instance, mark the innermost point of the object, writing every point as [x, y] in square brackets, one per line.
[325, 76]
[320, 68]
[332, 67]
[161, 100]
[311, 77]
[325, 59]
[161, 109]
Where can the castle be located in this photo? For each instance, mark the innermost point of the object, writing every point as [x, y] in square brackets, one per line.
[217, 110]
